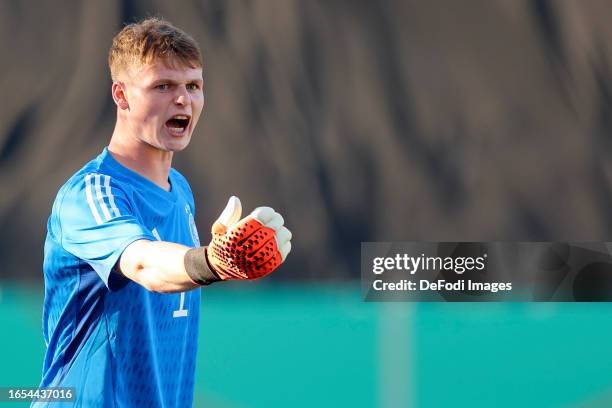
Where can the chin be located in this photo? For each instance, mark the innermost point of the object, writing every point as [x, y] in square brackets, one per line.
[174, 149]
[175, 145]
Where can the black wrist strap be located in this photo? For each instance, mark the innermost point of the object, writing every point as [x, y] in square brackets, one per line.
[197, 267]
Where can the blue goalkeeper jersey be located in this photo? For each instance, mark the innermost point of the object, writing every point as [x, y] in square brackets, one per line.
[117, 343]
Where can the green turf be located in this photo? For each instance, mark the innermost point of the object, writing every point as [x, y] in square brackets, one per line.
[305, 345]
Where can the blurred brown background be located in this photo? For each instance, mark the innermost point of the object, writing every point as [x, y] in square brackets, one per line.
[357, 120]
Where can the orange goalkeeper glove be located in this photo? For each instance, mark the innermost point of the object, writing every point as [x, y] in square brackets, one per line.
[247, 248]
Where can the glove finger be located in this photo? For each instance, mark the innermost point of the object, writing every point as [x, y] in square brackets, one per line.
[230, 215]
[263, 214]
[284, 250]
[282, 236]
[276, 222]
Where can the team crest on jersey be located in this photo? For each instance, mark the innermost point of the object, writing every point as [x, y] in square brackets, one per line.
[192, 227]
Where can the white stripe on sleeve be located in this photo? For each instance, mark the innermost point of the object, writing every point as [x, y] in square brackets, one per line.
[111, 199]
[101, 199]
[90, 201]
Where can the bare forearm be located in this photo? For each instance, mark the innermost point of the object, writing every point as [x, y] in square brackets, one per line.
[157, 265]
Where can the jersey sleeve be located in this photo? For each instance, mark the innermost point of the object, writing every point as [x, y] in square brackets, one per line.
[97, 222]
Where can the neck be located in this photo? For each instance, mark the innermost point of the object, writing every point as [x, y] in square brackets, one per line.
[144, 159]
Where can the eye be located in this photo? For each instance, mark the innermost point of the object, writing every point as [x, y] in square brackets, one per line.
[163, 87]
[193, 87]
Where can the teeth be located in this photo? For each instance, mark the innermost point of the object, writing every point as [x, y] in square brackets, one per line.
[177, 131]
[180, 117]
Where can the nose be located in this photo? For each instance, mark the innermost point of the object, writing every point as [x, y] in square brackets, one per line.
[182, 98]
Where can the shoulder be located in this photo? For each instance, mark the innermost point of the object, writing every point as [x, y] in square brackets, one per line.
[89, 178]
[92, 192]
[91, 182]
[178, 176]
[180, 182]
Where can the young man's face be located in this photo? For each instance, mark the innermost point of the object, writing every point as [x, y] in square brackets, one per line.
[165, 103]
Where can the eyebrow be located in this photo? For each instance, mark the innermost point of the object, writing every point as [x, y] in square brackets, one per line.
[174, 82]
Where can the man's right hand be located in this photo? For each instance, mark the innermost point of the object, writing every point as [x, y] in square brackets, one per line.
[247, 248]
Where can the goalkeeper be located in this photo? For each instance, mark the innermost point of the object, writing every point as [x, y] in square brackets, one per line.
[123, 261]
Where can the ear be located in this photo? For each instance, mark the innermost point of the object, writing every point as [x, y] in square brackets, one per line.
[119, 96]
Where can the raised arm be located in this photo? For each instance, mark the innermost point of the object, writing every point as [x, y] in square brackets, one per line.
[240, 249]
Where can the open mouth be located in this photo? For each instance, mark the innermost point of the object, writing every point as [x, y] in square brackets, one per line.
[178, 124]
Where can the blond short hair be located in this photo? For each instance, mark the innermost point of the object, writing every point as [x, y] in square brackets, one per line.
[145, 42]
